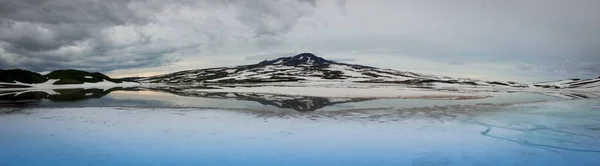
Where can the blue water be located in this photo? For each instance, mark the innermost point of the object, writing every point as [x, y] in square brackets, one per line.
[549, 133]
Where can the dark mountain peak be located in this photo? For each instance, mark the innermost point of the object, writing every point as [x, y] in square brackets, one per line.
[303, 59]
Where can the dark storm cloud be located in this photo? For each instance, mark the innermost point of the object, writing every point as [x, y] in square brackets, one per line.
[38, 34]
[38, 25]
[69, 11]
[40, 37]
[107, 35]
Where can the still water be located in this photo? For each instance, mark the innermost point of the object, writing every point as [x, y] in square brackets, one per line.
[270, 102]
[160, 128]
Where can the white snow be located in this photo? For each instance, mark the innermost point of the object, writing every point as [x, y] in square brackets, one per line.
[592, 84]
[230, 95]
[589, 84]
[560, 83]
[348, 71]
[89, 77]
[312, 83]
[279, 62]
[48, 91]
[230, 70]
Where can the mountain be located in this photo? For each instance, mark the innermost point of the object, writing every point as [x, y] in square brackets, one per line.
[18, 78]
[304, 59]
[23, 76]
[309, 67]
[571, 83]
[131, 79]
[71, 76]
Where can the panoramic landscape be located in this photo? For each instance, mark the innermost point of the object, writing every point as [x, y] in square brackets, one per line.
[299, 82]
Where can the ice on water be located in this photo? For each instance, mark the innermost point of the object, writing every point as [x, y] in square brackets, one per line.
[545, 133]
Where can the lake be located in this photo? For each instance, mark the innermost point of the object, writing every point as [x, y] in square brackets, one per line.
[140, 97]
[145, 127]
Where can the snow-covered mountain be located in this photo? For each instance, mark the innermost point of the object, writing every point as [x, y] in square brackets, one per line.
[308, 67]
[571, 83]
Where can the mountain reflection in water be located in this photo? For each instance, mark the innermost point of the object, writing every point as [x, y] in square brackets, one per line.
[298, 103]
[26, 97]
[174, 96]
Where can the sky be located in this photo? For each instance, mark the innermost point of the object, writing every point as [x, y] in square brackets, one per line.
[519, 40]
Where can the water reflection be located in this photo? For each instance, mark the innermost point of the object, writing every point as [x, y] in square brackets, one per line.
[34, 98]
[298, 103]
[29, 97]
[189, 97]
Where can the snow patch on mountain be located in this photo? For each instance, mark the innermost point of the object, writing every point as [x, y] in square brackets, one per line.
[308, 70]
[308, 67]
[591, 84]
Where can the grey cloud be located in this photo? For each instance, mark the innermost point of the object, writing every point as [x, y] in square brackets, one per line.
[312, 2]
[40, 37]
[107, 35]
[524, 66]
[269, 19]
[457, 63]
[260, 57]
[68, 11]
[341, 5]
[552, 63]
[344, 60]
[38, 34]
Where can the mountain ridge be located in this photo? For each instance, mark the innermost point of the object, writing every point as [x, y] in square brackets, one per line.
[300, 59]
[304, 67]
[21, 78]
[309, 67]
[570, 83]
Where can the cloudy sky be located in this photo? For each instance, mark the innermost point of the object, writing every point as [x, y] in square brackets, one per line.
[522, 40]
